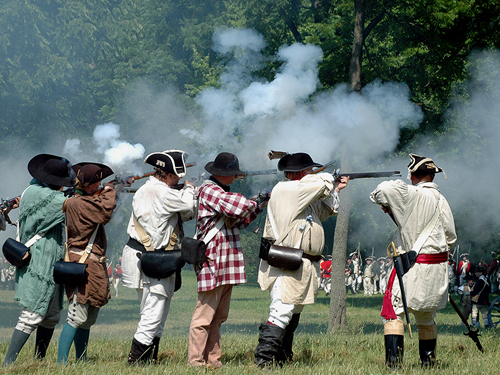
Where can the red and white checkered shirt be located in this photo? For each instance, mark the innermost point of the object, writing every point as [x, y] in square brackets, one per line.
[227, 264]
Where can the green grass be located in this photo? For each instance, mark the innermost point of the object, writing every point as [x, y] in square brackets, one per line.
[358, 349]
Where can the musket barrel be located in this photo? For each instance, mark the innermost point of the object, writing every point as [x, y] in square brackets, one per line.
[353, 176]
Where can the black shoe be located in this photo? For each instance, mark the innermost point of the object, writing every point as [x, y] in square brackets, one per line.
[394, 350]
[427, 350]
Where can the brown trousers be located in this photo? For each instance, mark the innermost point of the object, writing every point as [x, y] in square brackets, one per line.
[212, 309]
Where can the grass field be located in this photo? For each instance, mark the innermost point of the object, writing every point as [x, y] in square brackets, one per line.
[357, 350]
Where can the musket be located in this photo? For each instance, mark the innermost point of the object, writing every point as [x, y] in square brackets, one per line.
[473, 333]
[398, 265]
[352, 176]
[258, 173]
[118, 180]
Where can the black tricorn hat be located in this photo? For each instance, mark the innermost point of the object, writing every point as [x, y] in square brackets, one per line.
[52, 170]
[90, 173]
[170, 161]
[225, 164]
[421, 164]
[296, 162]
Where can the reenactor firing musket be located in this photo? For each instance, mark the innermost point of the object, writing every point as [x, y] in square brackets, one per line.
[336, 174]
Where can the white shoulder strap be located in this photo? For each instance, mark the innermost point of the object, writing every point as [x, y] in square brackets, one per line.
[428, 229]
[212, 232]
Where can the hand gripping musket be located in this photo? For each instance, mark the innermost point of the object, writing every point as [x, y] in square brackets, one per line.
[401, 261]
[6, 203]
[473, 333]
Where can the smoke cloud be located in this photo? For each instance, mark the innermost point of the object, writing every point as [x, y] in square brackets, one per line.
[249, 115]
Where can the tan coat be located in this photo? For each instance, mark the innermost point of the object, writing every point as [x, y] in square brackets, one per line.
[291, 202]
[426, 285]
[83, 214]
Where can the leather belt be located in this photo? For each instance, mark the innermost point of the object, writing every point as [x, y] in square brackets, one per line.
[136, 245]
[94, 257]
[312, 258]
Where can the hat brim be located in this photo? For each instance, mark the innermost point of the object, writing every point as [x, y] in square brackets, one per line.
[105, 170]
[35, 169]
[221, 172]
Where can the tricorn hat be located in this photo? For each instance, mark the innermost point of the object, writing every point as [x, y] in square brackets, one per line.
[169, 161]
[90, 173]
[296, 162]
[468, 277]
[422, 164]
[52, 170]
[225, 164]
[464, 255]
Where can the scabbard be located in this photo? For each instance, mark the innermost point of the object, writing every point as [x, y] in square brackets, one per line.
[398, 265]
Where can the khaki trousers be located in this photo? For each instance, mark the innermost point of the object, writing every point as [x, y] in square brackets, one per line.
[212, 309]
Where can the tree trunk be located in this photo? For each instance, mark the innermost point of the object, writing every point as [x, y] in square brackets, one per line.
[337, 318]
[357, 45]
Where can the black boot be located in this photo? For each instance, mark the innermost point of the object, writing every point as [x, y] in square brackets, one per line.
[427, 350]
[156, 348]
[139, 353]
[270, 340]
[394, 350]
[285, 353]
[43, 337]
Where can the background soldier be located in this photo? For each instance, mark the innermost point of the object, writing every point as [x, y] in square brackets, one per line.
[413, 210]
[492, 272]
[368, 277]
[480, 297]
[463, 268]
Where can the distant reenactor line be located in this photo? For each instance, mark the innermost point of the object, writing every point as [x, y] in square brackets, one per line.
[61, 234]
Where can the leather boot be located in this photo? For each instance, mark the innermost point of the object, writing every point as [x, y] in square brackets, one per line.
[285, 353]
[427, 350]
[156, 348]
[394, 350]
[17, 342]
[43, 337]
[139, 353]
[270, 340]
